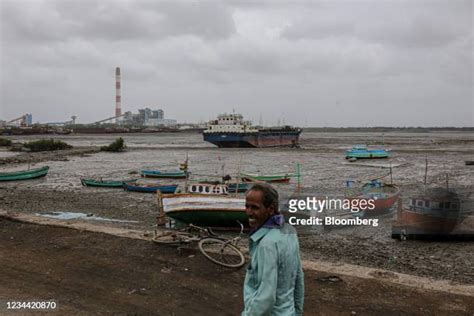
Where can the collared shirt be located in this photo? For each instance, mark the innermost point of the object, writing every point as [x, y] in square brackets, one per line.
[274, 283]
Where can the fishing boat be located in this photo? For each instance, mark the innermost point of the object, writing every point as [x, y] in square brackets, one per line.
[469, 162]
[149, 188]
[204, 210]
[24, 174]
[363, 152]
[230, 130]
[434, 213]
[103, 183]
[207, 188]
[163, 174]
[384, 196]
[266, 178]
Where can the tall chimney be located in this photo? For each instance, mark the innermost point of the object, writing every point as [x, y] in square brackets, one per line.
[118, 97]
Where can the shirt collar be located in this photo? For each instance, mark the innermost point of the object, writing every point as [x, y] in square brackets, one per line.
[275, 221]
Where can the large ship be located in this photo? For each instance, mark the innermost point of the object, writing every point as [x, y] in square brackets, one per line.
[230, 130]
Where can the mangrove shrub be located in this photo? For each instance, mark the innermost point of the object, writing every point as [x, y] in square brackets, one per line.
[46, 145]
[117, 146]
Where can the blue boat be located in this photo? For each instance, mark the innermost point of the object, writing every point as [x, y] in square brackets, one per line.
[362, 152]
[163, 174]
[149, 188]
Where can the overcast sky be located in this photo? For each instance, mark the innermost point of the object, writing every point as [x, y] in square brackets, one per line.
[307, 63]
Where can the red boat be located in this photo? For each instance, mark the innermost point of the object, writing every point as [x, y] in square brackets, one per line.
[384, 195]
[435, 213]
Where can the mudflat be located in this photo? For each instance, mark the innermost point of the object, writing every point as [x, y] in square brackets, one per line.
[95, 273]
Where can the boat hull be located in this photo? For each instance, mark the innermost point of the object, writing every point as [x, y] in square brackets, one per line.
[205, 210]
[24, 174]
[416, 224]
[254, 140]
[101, 184]
[159, 174]
[150, 189]
[266, 178]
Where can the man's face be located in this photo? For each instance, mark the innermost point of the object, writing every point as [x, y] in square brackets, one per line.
[255, 209]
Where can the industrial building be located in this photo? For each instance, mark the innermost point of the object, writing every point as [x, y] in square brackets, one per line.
[147, 117]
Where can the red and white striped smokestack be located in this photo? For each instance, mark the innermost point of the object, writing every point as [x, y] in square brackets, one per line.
[118, 94]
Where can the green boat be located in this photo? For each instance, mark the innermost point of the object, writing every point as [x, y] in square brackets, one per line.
[102, 183]
[267, 178]
[163, 174]
[24, 174]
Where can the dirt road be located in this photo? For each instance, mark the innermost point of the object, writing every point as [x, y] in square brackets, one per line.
[93, 273]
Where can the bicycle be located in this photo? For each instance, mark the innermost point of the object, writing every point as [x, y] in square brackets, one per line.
[219, 250]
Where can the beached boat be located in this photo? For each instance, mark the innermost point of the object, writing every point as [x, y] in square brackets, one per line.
[363, 152]
[469, 162]
[24, 174]
[267, 178]
[149, 188]
[434, 213]
[204, 210]
[103, 183]
[384, 196]
[163, 174]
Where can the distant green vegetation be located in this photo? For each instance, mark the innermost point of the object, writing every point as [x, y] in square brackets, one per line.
[5, 142]
[117, 146]
[46, 145]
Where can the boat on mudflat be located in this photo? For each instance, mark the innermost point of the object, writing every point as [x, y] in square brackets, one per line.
[266, 178]
[363, 152]
[24, 174]
[104, 183]
[432, 214]
[219, 211]
[163, 174]
[230, 130]
[384, 196]
[149, 188]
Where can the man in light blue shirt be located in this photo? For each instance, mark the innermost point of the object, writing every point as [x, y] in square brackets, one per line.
[274, 283]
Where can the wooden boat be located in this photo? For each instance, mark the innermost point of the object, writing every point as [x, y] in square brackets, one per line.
[362, 152]
[207, 188]
[163, 174]
[204, 210]
[149, 188]
[103, 183]
[384, 196]
[432, 214]
[469, 162]
[24, 174]
[267, 178]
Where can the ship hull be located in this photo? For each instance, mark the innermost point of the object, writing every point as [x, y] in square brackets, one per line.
[415, 224]
[253, 140]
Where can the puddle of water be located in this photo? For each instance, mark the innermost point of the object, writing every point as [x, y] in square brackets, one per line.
[74, 215]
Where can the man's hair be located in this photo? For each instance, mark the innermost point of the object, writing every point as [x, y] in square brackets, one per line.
[269, 195]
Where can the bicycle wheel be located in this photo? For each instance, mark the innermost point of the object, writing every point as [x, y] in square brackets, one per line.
[172, 238]
[221, 252]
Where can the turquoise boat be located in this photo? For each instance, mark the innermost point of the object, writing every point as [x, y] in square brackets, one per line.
[102, 183]
[163, 174]
[362, 152]
[149, 188]
[24, 174]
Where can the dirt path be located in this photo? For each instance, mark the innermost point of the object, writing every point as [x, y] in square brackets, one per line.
[94, 273]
